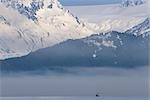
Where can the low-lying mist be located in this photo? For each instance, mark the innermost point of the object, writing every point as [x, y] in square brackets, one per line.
[77, 81]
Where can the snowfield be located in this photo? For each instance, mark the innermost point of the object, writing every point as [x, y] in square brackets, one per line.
[26, 26]
[112, 17]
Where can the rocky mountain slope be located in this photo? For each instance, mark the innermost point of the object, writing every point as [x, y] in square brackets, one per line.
[118, 50]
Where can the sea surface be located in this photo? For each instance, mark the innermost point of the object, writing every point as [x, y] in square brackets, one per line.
[120, 84]
[75, 98]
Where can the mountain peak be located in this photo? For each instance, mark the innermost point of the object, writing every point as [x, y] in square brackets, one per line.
[36, 24]
[128, 3]
[29, 8]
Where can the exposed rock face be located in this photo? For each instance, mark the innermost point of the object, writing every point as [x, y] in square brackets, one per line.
[127, 3]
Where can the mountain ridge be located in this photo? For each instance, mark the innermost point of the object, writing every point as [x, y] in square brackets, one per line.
[110, 50]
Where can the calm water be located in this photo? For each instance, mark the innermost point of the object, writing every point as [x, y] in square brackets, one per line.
[74, 98]
[89, 81]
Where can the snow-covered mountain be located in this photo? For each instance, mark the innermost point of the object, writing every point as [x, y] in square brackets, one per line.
[113, 16]
[29, 25]
[141, 29]
[36, 24]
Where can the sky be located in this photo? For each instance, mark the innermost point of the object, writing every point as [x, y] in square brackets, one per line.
[87, 2]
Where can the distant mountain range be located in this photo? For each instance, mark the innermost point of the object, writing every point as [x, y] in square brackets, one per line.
[128, 3]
